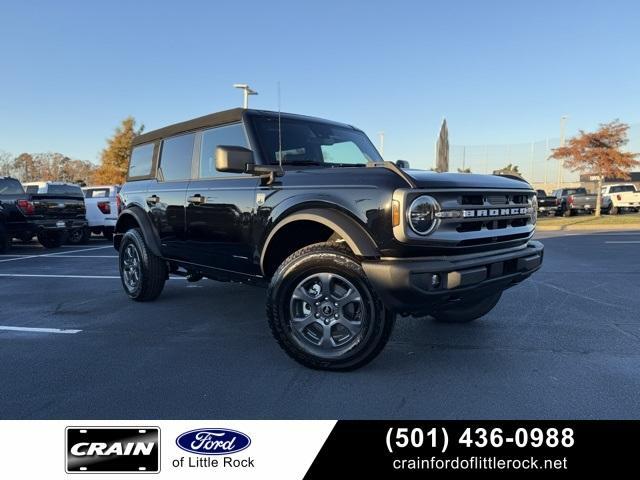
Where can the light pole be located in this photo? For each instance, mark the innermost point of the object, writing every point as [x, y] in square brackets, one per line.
[246, 92]
[563, 121]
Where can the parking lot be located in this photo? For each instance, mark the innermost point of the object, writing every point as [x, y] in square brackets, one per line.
[566, 343]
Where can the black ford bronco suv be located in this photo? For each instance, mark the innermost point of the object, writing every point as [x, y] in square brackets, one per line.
[343, 240]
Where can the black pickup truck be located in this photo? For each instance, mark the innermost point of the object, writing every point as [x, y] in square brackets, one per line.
[547, 204]
[343, 240]
[49, 217]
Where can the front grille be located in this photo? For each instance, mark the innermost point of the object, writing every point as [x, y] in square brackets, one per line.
[488, 218]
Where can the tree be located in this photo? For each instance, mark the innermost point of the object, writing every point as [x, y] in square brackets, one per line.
[511, 168]
[26, 168]
[6, 163]
[464, 170]
[599, 152]
[115, 157]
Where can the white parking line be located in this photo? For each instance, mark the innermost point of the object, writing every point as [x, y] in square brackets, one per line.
[32, 275]
[622, 241]
[38, 330]
[53, 254]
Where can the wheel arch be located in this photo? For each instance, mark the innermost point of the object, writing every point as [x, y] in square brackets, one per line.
[326, 222]
[135, 217]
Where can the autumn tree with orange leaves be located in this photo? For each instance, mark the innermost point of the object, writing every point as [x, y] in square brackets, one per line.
[600, 153]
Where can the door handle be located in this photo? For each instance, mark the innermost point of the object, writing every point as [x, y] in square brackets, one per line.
[197, 198]
[153, 199]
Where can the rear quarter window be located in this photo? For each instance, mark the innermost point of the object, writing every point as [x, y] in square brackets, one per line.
[141, 161]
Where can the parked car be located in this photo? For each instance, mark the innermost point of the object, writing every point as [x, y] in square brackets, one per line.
[620, 197]
[571, 201]
[50, 217]
[5, 239]
[547, 204]
[75, 236]
[342, 239]
[102, 204]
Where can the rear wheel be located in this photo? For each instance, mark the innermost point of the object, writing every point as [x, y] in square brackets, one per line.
[323, 311]
[107, 233]
[467, 311]
[79, 236]
[51, 239]
[143, 274]
[5, 240]
[614, 210]
[25, 237]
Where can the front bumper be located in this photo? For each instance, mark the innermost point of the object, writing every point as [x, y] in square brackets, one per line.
[406, 285]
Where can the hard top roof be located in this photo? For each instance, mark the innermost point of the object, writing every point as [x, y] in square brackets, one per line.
[219, 118]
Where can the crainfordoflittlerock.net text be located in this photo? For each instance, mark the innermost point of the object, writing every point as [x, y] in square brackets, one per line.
[480, 463]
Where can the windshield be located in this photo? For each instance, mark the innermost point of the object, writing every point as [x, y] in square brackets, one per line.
[307, 142]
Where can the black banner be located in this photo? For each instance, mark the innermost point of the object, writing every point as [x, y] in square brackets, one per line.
[399, 449]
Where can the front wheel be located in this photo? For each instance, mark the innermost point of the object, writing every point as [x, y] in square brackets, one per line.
[323, 312]
[143, 274]
[467, 311]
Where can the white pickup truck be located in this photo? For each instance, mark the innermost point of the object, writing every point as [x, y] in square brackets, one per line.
[102, 203]
[616, 198]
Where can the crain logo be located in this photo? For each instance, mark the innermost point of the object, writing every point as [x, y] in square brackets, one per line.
[104, 449]
[495, 212]
[213, 441]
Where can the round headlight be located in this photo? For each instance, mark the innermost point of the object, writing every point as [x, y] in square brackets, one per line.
[422, 215]
[534, 209]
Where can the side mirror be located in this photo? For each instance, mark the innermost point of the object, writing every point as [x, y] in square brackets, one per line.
[233, 159]
[402, 163]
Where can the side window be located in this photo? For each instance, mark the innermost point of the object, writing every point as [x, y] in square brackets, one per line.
[32, 189]
[141, 161]
[176, 156]
[227, 135]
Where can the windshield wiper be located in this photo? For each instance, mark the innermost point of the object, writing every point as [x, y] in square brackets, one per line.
[303, 162]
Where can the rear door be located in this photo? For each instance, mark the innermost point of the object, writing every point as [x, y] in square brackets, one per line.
[166, 196]
[220, 206]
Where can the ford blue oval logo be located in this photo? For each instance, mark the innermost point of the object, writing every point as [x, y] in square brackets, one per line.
[213, 441]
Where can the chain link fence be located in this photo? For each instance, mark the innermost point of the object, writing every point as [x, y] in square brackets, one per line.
[532, 160]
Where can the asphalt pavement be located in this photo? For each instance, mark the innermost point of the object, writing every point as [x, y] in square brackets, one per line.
[564, 344]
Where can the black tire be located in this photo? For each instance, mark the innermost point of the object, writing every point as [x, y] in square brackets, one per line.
[25, 237]
[79, 236]
[107, 233]
[5, 240]
[338, 263]
[151, 270]
[614, 210]
[466, 312]
[567, 213]
[51, 239]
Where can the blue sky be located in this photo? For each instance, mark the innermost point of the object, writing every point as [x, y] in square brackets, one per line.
[500, 72]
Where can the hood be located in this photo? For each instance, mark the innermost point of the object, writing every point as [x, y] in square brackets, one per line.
[428, 179]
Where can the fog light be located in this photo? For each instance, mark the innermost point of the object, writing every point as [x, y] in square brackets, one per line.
[435, 280]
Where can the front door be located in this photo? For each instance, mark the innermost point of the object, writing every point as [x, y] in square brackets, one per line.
[220, 207]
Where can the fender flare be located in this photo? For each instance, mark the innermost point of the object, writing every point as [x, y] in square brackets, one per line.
[351, 231]
[149, 233]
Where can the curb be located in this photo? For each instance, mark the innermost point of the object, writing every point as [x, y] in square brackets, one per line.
[580, 226]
